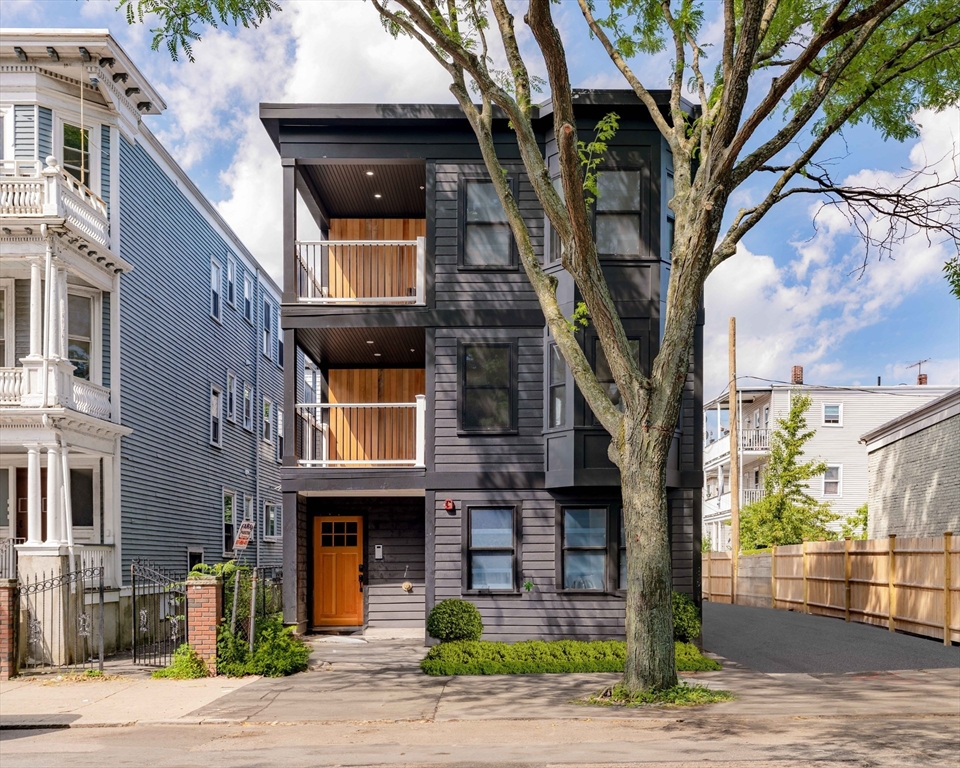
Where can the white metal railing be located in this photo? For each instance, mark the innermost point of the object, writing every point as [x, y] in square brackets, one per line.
[8, 558]
[362, 434]
[91, 399]
[755, 439]
[362, 271]
[11, 386]
[95, 555]
[27, 188]
[751, 495]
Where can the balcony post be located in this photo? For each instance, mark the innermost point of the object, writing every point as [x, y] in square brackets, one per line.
[421, 430]
[421, 270]
[36, 308]
[52, 204]
[290, 264]
[53, 495]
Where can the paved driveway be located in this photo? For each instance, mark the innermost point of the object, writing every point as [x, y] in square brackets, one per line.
[775, 641]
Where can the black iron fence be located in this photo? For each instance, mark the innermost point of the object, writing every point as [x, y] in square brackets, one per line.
[62, 621]
[251, 594]
[159, 613]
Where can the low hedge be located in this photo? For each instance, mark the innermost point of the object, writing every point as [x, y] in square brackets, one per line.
[530, 657]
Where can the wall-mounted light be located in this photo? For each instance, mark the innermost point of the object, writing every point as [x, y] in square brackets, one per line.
[52, 53]
[21, 54]
[85, 54]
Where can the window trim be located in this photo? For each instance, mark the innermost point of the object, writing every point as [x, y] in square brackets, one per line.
[248, 283]
[465, 558]
[550, 386]
[96, 329]
[231, 390]
[218, 392]
[224, 493]
[514, 346]
[194, 550]
[266, 420]
[463, 180]
[278, 431]
[216, 269]
[823, 482]
[248, 390]
[266, 328]
[277, 534]
[279, 345]
[92, 181]
[9, 324]
[611, 549]
[823, 415]
[231, 282]
[596, 346]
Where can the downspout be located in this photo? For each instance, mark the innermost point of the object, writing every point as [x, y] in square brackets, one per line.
[257, 429]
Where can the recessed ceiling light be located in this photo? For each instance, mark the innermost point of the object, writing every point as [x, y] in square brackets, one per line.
[369, 173]
[376, 354]
[411, 349]
[422, 187]
[369, 341]
[378, 196]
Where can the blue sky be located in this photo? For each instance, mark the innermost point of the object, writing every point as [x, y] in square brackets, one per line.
[793, 287]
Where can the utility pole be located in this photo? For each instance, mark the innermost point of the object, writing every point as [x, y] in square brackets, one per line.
[734, 463]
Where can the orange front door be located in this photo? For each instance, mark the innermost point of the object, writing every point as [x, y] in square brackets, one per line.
[337, 584]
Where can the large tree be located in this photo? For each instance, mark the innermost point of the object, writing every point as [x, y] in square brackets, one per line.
[813, 65]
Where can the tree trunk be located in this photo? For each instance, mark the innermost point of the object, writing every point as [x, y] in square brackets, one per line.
[649, 611]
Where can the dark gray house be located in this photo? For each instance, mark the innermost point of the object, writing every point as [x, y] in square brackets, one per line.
[440, 447]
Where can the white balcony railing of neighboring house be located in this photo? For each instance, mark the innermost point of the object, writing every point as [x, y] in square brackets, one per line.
[719, 505]
[751, 495]
[64, 391]
[8, 558]
[29, 188]
[755, 439]
[362, 271]
[95, 555]
[362, 434]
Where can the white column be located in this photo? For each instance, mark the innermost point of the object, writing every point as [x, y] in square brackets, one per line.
[67, 507]
[53, 495]
[421, 432]
[36, 309]
[62, 314]
[34, 491]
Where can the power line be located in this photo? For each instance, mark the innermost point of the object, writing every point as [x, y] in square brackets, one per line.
[836, 387]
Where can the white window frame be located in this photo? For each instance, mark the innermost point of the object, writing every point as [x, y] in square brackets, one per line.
[823, 415]
[217, 392]
[247, 506]
[248, 296]
[92, 181]
[9, 324]
[267, 328]
[839, 481]
[266, 432]
[227, 492]
[279, 434]
[96, 328]
[766, 417]
[231, 391]
[216, 279]
[279, 346]
[248, 406]
[276, 519]
[232, 281]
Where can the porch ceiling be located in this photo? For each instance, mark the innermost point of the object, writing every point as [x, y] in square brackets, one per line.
[403, 347]
[349, 191]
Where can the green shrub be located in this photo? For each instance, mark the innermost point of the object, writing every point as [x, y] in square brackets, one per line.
[186, 665]
[686, 618]
[453, 620]
[276, 653]
[681, 695]
[537, 657]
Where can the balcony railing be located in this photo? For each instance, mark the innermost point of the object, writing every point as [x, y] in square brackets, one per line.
[362, 271]
[64, 390]
[28, 188]
[361, 434]
[755, 439]
[751, 495]
[8, 557]
[95, 555]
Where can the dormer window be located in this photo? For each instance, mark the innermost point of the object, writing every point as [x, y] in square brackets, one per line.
[76, 153]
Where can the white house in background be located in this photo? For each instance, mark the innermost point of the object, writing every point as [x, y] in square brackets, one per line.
[840, 415]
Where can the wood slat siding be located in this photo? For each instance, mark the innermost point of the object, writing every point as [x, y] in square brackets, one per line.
[21, 312]
[353, 272]
[45, 133]
[105, 160]
[24, 132]
[172, 352]
[105, 340]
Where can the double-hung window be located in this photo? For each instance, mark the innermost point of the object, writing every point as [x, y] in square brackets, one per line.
[272, 521]
[229, 522]
[487, 242]
[618, 213]
[248, 507]
[248, 297]
[76, 153]
[232, 282]
[267, 327]
[488, 387]
[832, 480]
[584, 548]
[605, 375]
[80, 334]
[491, 548]
[556, 246]
[247, 406]
[279, 434]
[557, 411]
[267, 420]
[216, 287]
[279, 347]
[231, 397]
[671, 225]
[832, 415]
[216, 416]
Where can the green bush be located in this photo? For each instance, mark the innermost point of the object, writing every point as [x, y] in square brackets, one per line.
[186, 665]
[537, 657]
[686, 618]
[453, 620]
[276, 653]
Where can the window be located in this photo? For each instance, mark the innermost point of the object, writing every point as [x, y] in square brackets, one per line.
[766, 417]
[584, 548]
[267, 327]
[486, 238]
[267, 420]
[339, 533]
[557, 412]
[79, 333]
[231, 282]
[272, 521]
[248, 297]
[491, 548]
[556, 247]
[280, 348]
[229, 522]
[622, 554]
[231, 397]
[756, 419]
[216, 416]
[279, 434]
[487, 384]
[671, 225]
[832, 480]
[604, 374]
[216, 286]
[247, 406]
[248, 507]
[194, 558]
[6, 328]
[76, 152]
[832, 415]
[618, 213]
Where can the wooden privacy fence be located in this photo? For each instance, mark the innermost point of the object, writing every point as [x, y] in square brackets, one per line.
[912, 585]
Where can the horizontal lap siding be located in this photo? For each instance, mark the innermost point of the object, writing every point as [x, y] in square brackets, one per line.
[24, 131]
[544, 612]
[683, 506]
[21, 311]
[401, 532]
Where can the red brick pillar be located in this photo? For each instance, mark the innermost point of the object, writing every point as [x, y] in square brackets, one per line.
[8, 628]
[204, 611]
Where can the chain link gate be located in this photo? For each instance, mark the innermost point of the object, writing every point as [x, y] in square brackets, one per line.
[159, 613]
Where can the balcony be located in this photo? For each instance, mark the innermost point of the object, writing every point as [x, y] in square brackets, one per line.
[751, 441]
[362, 272]
[755, 440]
[361, 435]
[28, 189]
[64, 390]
